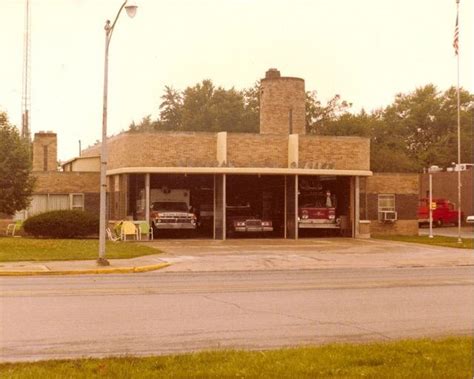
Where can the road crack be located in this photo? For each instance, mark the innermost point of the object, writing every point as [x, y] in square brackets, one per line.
[300, 318]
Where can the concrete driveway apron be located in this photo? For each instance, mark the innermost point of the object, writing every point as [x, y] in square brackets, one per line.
[259, 254]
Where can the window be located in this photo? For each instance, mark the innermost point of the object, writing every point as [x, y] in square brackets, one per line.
[386, 203]
[77, 201]
[55, 202]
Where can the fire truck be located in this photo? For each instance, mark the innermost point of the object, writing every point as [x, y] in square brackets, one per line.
[317, 210]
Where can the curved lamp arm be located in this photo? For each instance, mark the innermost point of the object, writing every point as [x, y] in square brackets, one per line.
[131, 9]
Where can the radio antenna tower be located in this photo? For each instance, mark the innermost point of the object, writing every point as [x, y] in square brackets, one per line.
[26, 80]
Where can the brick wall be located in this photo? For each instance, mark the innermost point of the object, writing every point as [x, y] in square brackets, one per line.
[400, 228]
[257, 150]
[399, 183]
[165, 149]
[66, 182]
[343, 153]
[92, 202]
[405, 187]
[243, 150]
[405, 204]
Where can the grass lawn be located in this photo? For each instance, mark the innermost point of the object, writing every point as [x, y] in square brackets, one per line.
[32, 249]
[467, 243]
[447, 358]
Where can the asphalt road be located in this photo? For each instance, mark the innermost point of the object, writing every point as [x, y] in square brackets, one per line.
[161, 313]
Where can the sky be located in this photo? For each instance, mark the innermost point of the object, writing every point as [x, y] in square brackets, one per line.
[366, 51]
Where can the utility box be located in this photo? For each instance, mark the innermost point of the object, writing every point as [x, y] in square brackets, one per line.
[364, 229]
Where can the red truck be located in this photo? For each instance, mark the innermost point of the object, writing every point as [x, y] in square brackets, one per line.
[317, 211]
[444, 213]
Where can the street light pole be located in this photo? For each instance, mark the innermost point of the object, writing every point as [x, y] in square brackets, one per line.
[459, 136]
[430, 202]
[131, 10]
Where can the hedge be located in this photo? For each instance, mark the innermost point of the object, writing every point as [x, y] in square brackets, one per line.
[62, 224]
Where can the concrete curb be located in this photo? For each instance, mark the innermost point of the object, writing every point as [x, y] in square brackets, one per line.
[117, 270]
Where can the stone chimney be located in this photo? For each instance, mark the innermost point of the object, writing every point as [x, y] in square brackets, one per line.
[282, 104]
[45, 151]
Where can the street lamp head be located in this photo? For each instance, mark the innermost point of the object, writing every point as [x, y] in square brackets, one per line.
[131, 10]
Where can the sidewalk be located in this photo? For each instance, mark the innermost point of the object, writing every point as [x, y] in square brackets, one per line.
[255, 255]
[117, 266]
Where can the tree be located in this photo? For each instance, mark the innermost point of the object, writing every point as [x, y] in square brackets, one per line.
[171, 109]
[203, 107]
[426, 120]
[145, 126]
[251, 117]
[318, 116]
[16, 182]
[417, 130]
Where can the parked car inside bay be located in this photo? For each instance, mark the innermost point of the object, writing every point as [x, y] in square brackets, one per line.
[240, 219]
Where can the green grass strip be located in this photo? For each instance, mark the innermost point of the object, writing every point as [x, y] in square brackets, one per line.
[467, 243]
[31, 249]
[426, 358]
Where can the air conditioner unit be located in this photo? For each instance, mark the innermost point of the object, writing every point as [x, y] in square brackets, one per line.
[388, 216]
[461, 167]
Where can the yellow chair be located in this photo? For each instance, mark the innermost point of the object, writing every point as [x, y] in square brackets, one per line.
[12, 228]
[145, 229]
[129, 229]
[111, 236]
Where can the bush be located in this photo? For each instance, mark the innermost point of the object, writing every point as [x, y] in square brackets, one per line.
[62, 224]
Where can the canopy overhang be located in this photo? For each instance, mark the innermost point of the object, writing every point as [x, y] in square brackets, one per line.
[236, 171]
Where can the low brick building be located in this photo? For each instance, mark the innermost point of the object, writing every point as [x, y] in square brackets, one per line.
[271, 171]
[55, 190]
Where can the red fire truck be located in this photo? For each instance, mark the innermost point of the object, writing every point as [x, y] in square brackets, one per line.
[317, 210]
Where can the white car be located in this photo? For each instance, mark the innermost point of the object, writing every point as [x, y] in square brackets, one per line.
[470, 219]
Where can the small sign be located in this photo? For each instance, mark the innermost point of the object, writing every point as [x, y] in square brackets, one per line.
[433, 205]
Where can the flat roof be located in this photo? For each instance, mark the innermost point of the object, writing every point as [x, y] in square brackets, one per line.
[79, 158]
[236, 171]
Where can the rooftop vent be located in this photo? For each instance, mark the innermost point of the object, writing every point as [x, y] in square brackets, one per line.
[272, 73]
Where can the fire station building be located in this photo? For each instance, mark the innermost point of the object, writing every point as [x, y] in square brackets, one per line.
[272, 173]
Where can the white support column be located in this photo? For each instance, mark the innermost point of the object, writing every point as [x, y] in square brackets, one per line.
[214, 213]
[286, 212]
[296, 206]
[356, 206]
[219, 206]
[293, 151]
[221, 149]
[147, 197]
[224, 207]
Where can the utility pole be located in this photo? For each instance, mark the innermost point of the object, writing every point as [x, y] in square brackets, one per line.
[26, 80]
